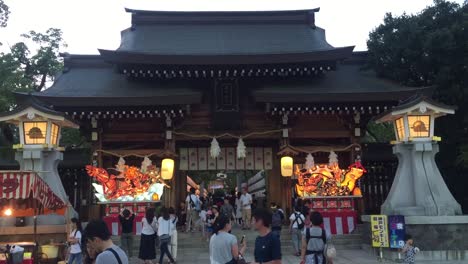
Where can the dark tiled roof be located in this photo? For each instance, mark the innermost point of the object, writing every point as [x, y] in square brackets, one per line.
[347, 84]
[88, 82]
[27, 100]
[234, 36]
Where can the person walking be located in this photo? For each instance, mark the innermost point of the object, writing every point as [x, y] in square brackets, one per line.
[227, 210]
[239, 209]
[165, 229]
[267, 245]
[246, 204]
[74, 240]
[193, 204]
[126, 219]
[182, 215]
[174, 235]
[223, 245]
[314, 239]
[297, 223]
[148, 235]
[98, 238]
[276, 219]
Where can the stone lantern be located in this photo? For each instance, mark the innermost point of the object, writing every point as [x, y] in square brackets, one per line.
[39, 129]
[418, 188]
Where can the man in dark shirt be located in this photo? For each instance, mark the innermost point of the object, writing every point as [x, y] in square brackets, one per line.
[227, 210]
[267, 245]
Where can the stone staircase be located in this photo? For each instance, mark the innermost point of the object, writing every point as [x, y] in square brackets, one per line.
[193, 243]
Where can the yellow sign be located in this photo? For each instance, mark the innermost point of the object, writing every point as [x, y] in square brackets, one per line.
[379, 229]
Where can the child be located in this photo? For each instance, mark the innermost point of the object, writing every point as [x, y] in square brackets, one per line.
[409, 250]
[203, 214]
[209, 223]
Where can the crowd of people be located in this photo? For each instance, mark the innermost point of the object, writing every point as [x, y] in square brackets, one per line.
[214, 220]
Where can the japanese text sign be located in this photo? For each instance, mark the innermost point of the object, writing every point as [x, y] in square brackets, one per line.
[396, 226]
[379, 229]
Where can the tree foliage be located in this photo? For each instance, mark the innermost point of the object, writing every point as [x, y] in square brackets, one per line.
[429, 49]
[4, 13]
[29, 66]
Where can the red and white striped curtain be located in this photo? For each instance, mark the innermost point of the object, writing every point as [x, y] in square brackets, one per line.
[20, 184]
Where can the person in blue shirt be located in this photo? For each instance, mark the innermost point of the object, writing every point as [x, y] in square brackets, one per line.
[267, 245]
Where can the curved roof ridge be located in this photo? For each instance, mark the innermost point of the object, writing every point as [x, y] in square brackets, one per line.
[179, 12]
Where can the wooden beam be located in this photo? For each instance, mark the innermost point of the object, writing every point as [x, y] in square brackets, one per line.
[133, 137]
[142, 152]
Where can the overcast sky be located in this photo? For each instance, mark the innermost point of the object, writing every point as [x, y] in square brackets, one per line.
[92, 24]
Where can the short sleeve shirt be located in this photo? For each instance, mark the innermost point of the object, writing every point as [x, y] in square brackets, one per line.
[107, 257]
[267, 248]
[220, 247]
[75, 248]
[300, 219]
[246, 199]
[191, 198]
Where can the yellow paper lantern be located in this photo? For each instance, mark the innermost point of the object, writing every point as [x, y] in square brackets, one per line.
[167, 169]
[155, 197]
[287, 166]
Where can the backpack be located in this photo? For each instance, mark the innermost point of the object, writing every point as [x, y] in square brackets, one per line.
[309, 237]
[195, 205]
[298, 217]
[276, 219]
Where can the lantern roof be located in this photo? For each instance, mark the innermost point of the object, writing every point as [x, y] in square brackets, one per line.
[418, 105]
[31, 109]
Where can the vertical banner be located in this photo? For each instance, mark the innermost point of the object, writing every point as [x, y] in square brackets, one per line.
[396, 227]
[379, 229]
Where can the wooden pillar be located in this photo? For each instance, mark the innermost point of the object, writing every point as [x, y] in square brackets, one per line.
[95, 211]
[275, 182]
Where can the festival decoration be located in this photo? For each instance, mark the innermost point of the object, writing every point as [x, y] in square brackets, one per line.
[329, 180]
[215, 150]
[145, 164]
[241, 149]
[120, 165]
[287, 166]
[310, 163]
[332, 158]
[130, 184]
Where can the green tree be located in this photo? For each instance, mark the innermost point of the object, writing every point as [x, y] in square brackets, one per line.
[29, 66]
[4, 13]
[430, 49]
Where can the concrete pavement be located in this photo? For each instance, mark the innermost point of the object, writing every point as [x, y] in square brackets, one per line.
[193, 248]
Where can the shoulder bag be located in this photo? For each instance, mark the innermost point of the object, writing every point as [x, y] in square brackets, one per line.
[330, 250]
[166, 238]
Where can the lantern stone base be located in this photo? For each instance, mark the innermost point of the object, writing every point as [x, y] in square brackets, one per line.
[418, 188]
[45, 163]
[440, 238]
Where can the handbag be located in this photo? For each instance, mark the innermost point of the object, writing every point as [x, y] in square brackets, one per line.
[166, 238]
[240, 260]
[330, 250]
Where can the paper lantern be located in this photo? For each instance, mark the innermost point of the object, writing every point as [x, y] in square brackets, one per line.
[155, 197]
[167, 169]
[287, 166]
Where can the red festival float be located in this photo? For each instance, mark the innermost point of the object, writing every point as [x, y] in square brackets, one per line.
[128, 187]
[331, 191]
